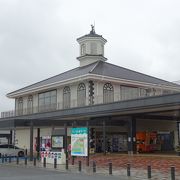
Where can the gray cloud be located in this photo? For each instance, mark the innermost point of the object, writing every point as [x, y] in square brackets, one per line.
[38, 38]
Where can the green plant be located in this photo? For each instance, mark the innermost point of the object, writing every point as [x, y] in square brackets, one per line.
[177, 149]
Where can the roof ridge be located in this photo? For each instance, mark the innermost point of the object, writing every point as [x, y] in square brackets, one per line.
[94, 66]
[140, 73]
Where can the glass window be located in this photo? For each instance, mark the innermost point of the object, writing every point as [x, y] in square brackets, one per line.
[102, 47]
[108, 93]
[30, 105]
[20, 106]
[93, 48]
[83, 49]
[47, 101]
[66, 97]
[81, 95]
[129, 92]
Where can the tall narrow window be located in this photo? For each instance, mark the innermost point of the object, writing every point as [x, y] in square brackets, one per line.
[102, 48]
[20, 106]
[81, 95]
[108, 93]
[30, 105]
[83, 49]
[66, 97]
[93, 48]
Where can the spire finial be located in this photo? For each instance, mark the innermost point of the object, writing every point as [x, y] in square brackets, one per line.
[92, 29]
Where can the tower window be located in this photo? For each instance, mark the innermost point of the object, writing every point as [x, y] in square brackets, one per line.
[93, 48]
[102, 48]
[83, 49]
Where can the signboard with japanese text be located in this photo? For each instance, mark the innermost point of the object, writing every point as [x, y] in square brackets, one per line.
[79, 141]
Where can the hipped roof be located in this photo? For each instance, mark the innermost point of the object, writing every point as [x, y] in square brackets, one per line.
[99, 68]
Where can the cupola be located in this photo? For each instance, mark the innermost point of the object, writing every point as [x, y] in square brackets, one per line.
[91, 48]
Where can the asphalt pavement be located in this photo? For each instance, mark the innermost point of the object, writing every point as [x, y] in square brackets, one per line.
[31, 173]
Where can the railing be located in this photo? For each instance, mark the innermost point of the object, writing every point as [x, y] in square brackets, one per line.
[72, 104]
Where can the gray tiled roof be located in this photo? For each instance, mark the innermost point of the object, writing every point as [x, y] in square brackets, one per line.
[99, 68]
[107, 69]
[90, 35]
[79, 71]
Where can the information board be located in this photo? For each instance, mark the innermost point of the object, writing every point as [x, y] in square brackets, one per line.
[79, 139]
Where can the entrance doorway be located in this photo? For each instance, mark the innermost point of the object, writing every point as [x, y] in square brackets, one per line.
[166, 140]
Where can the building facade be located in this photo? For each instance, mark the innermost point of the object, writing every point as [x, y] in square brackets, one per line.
[93, 84]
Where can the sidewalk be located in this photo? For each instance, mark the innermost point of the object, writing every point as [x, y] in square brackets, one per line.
[160, 166]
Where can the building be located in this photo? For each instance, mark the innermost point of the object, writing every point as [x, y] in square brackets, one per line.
[113, 101]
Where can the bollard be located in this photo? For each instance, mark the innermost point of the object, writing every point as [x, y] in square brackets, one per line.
[149, 171]
[55, 163]
[172, 173]
[17, 160]
[9, 159]
[25, 152]
[34, 162]
[72, 160]
[67, 164]
[2, 158]
[44, 162]
[94, 166]
[110, 168]
[25, 160]
[128, 170]
[5, 158]
[79, 166]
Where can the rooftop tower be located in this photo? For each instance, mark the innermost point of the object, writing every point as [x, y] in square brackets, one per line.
[91, 48]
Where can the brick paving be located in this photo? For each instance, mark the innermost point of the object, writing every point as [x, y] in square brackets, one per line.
[160, 164]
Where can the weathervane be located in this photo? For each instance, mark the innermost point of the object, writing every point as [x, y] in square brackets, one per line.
[92, 29]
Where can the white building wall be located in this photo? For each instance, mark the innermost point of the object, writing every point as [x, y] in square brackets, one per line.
[23, 138]
[23, 135]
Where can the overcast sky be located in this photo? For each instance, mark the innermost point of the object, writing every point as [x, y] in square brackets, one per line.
[38, 38]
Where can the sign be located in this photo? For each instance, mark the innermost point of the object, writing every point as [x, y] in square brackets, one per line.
[57, 141]
[79, 141]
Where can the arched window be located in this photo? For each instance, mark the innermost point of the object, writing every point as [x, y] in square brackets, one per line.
[108, 93]
[30, 105]
[81, 95]
[66, 97]
[20, 106]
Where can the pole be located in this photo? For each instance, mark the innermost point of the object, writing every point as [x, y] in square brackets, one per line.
[87, 160]
[104, 137]
[31, 141]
